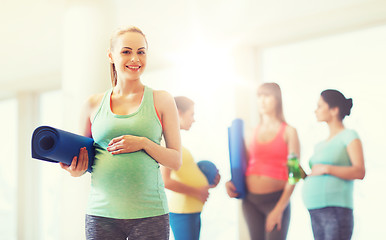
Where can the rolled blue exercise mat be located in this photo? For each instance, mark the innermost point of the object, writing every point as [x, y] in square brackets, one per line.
[55, 145]
[209, 169]
[237, 156]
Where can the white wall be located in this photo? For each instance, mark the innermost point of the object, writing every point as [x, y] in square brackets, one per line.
[8, 177]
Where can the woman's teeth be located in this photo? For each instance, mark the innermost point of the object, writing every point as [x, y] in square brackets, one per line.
[134, 67]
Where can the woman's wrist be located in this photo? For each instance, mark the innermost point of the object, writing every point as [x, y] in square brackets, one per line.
[144, 143]
[327, 169]
[279, 208]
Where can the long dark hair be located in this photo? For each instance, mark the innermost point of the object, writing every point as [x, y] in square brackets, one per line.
[334, 98]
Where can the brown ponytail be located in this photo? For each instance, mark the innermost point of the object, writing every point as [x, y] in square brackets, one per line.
[113, 73]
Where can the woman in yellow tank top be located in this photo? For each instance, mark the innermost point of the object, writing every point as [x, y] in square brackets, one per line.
[189, 186]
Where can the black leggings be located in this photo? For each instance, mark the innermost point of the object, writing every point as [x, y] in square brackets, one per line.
[256, 207]
[101, 228]
[332, 223]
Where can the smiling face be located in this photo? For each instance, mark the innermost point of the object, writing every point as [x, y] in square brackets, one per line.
[128, 54]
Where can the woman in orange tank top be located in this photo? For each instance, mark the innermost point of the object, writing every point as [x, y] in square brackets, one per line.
[266, 205]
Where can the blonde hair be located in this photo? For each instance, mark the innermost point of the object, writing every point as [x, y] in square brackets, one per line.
[274, 90]
[114, 36]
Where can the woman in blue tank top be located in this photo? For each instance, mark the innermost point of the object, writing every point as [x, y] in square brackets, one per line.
[127, 198]
[336, 162]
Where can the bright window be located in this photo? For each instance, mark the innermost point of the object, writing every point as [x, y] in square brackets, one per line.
[8, 163]
[51, 115]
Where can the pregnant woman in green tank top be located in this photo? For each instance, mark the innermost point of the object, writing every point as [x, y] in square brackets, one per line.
[336, 162]
[127, 197]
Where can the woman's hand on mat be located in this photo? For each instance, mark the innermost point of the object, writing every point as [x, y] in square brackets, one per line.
[216, 181]
[125, 144]
[202, 193]
[78, 165]
[231, 189]
[273, 219]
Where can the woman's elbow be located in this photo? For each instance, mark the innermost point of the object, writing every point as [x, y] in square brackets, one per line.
[177, 164]
[361, 174]
[167, 183]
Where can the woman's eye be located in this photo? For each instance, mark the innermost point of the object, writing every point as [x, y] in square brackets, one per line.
[141, 52]
[126, 52]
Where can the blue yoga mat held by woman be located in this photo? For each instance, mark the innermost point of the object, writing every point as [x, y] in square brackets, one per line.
[237, 157]
[127, 198]
[56, 145]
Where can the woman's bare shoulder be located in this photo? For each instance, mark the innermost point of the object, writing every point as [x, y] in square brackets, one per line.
[162, 94]
[291, 131]
[162, 98]
[94, 100]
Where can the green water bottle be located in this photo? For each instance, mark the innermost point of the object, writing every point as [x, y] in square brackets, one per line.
[294, 173]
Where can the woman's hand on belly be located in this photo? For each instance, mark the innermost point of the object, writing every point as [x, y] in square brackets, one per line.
[263, 184]
[125, 144]
[319, 169]
[202, 193]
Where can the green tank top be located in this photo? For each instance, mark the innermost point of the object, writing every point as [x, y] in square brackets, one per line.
[327, 190]
[128, 185]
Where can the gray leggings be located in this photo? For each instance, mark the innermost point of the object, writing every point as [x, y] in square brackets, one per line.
[332, 223]
[256, 207]
[101, 228]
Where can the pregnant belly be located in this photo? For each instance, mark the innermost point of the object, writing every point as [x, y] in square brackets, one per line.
[262, 184]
